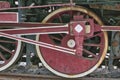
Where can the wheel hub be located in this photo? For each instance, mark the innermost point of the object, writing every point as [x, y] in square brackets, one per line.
[67, 65]
[71, 43]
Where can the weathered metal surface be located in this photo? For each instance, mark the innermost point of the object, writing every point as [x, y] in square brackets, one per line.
[66, 65]
[110, 28]
[115, 51]
[8, 55]
[77, 30]
[37, 30]
[79, 33]
[4, 4]
[8, 76]
[42, 44]
[43, 6]
[84, 1]
[115, 7]
[27, 25]
[66, 41]
[8, 17]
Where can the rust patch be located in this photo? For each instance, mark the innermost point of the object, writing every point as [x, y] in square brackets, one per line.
[115, 43]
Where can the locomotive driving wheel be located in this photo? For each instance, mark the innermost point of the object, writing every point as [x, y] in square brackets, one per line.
[67, 65]
[9, 52]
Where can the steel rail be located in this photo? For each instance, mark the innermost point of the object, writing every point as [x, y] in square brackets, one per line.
[13, 76]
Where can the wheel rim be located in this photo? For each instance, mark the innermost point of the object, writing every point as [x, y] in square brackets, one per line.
[115, 48]
[63, 64]
[9, 52]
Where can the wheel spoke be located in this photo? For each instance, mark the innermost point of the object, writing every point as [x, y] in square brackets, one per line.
[87, 17]
[6, 49]
[71, 14]
[97, 28]
[81, 16]
[60, 18]
[9, 52]
[2, 57]
[90, 53]
[7, 42]
[96, 35]
[62, 35]
[56, 38]
[91, 44]
[64, 64]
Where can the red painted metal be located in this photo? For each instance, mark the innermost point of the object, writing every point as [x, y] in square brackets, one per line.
[78, 29]
[27, 24]
[54, 50]
[63, 62]
[43, 6]
[4, 4]
[37, 30]
[42, 44]
[106, 28]
[89, 22]
[5, 50]
[8, 17]
[110, 28]
[66, 63]
[115, 7]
